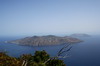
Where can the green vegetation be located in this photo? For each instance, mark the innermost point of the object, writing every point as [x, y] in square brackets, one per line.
[40, 58]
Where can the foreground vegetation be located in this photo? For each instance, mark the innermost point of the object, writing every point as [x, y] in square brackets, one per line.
[40, 58]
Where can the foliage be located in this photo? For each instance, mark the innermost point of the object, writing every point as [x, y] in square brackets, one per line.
[37, 59]
[6, 60]
[41, 56]
[55, 62]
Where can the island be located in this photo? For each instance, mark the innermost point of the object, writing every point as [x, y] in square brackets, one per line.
[45, 40]
[80, 35]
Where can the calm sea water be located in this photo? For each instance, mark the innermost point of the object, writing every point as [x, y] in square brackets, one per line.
[86, 53]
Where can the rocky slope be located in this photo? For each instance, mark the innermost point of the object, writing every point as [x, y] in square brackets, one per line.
[45, 40]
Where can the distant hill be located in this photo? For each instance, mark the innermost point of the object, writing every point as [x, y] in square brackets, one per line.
[45, 40]
[80, 35]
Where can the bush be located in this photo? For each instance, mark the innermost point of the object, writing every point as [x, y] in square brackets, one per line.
[55, 62]
[37, 59]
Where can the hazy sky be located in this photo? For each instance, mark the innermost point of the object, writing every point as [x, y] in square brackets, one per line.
[37, 17]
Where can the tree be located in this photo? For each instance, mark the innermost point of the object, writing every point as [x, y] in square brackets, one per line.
[41, 56]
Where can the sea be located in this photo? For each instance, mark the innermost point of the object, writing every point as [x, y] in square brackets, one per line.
[86, 53]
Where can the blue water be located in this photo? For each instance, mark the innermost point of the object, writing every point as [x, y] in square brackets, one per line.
[86, 53]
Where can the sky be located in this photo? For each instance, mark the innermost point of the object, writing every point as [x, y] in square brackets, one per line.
[42, 17]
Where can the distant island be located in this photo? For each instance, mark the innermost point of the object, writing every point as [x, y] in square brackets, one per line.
[45, 40]
[80, 35]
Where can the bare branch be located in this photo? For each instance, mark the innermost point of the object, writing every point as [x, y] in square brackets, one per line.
[63, 50]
